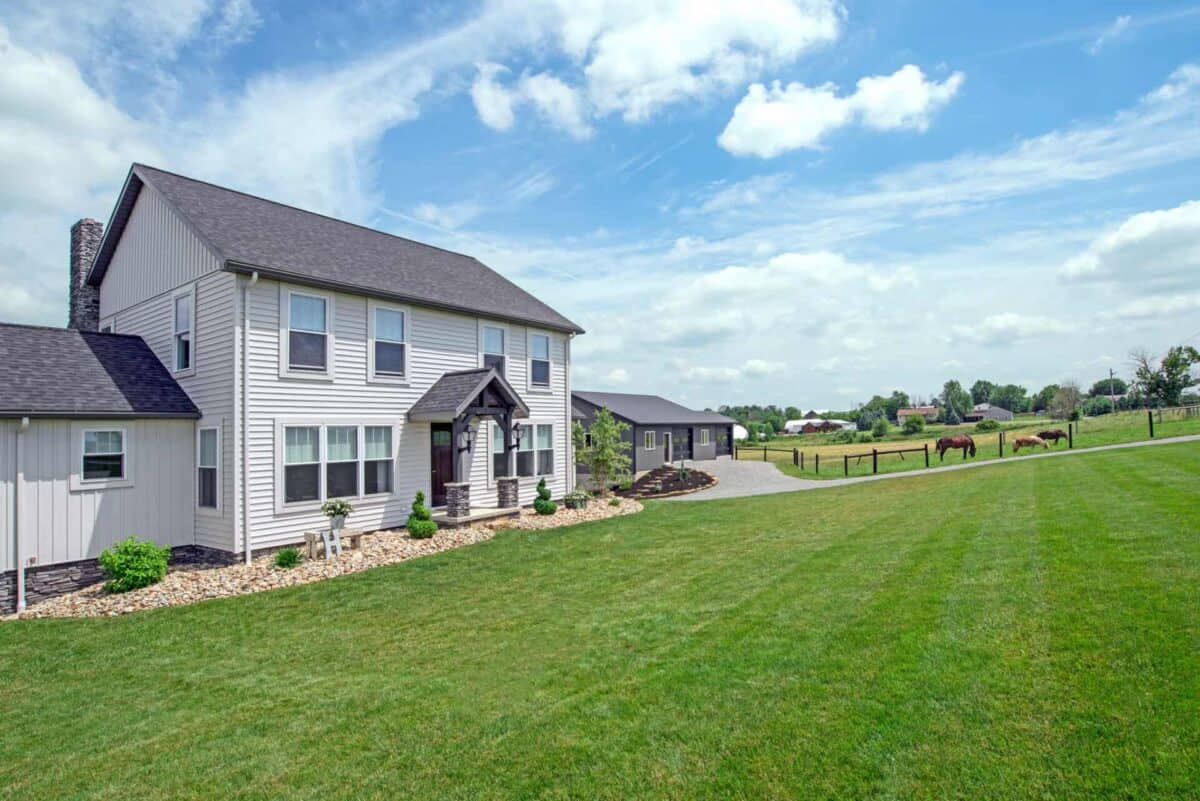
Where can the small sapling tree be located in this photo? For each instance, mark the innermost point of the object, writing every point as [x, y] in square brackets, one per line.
[602, 450]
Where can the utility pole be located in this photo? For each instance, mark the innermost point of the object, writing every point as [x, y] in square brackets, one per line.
[1112, 396]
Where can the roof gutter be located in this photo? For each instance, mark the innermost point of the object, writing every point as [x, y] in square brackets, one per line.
[20, 483]
[357, 289]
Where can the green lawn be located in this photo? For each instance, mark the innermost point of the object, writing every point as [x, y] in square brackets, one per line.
[1027, 631]
[1091, 432]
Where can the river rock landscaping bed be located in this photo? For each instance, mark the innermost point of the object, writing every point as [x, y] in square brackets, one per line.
[190, 583]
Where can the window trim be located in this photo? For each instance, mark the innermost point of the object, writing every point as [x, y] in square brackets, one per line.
[111, 324]
[361, 423]
[285, 313]
[357, 460]
[650, 440]
[190, 293]
[77, 482]
[388, 378]
[208, 510]
[485, 324]
[705, 436]
[548, 387]
[532, 422]
[362, 461]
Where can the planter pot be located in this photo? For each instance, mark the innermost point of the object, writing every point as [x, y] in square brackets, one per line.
[337, 522]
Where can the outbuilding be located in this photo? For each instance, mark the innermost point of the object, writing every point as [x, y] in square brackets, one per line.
[986, 411]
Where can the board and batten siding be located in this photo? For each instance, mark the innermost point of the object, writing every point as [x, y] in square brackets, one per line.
[439, 342]
[157, 253]
[61, 524]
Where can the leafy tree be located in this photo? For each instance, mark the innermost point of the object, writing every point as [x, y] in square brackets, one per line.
[866, 419]
[1010, 396]
[914, 424]
[1164, 384]
[1065, 403]
[981, 391]
[792, 413]
[1097, 405]
[956, 400]
[880, 428]
[1108, 386]
[1041, 401]
[602, 448]
[897, 401]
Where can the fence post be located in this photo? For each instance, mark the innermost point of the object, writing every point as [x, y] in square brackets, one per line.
[1070, 435]
[1002, 444]
[927, 454]
[817, 462]
[802, 461]
[764, 453]
[874, 461]
[846, 464]
[795, 457]
[1150, 417]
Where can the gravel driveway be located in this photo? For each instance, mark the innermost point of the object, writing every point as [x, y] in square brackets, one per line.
[742, 478]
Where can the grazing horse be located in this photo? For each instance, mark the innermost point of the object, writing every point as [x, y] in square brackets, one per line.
[954, 443]
[1053, 433]
[1028, 442]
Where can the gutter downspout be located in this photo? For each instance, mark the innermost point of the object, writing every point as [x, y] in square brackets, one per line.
[20, 482]
[570, 466]
[245, 425]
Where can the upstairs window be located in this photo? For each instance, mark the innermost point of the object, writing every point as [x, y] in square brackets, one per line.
[493, 347]
[182, 330]
[539, 361]
[308, 333]
[206, 468]
[389, 342]
[341, 461]
[103, 455]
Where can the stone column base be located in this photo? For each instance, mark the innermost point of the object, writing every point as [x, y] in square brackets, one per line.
[507, 493]
[458, 499]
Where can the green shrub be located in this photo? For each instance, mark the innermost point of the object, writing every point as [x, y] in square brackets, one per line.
[842, 438]
[576, 500]
[287, 557]
[987, 425]
[133, 563]
[879, 428]
[626, 483]
[864, 437]
[914, 424]
[542, 504]
[614, 501]
[420, 523]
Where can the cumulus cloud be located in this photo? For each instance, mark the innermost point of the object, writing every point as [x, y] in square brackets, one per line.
[1152, 252]
[754, 368]
[771, 121]
[557, 103]
[1009, 328]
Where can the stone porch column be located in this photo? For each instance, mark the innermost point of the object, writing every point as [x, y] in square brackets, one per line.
[458, 500]
[507, 495]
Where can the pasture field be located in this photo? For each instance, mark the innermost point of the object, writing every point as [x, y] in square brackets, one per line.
[1035, 635]
[1092, 431]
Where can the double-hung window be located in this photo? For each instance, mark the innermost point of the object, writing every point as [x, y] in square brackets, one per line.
[103, 455]
[539, 361]
[341, 461]
[705, 436]
[499, 454]
[308, 333]
[493, 347]
[526, 453]
[377, 460]
[182, 329]
[389, 342]
[301, 464]
[545, 450]
[648, 440]
[207, 444]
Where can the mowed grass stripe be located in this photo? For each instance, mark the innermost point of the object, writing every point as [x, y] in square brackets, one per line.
[962, 635]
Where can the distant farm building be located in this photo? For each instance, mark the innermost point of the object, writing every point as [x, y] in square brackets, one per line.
[817, 425]
[986, 411]
[928, 412]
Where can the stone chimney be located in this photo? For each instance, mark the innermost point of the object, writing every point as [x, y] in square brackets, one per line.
[85, 298]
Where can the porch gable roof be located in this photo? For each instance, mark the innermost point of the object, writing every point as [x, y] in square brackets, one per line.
[454, 394]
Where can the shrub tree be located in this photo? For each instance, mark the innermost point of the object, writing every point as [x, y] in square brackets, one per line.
[914, 424]
[602, 450]
[133, 563]
[987, 425]
[287, 557]
[542, 503]
[420, 523]
[879, 428]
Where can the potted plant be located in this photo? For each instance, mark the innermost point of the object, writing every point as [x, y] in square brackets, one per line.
[337, 511]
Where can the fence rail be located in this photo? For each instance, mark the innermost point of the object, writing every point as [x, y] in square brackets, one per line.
[875, 453]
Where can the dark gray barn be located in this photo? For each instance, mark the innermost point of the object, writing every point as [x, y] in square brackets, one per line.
[660, 430]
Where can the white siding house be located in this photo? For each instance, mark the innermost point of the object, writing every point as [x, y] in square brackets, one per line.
[303, 343]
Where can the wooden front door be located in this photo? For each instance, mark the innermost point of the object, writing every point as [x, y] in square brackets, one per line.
[441, 462]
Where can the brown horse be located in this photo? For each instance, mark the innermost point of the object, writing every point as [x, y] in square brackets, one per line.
[954, 443]
[1028, 442]
[1053, 433]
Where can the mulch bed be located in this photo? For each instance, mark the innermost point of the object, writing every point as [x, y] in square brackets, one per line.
[665, 481]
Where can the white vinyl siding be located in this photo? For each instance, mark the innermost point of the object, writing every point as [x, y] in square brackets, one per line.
[62, 524]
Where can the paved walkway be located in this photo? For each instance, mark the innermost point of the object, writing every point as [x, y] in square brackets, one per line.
[741, 478]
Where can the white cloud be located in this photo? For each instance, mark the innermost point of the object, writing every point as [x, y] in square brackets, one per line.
[556, 102]
[1152, 252]
[618, 375]
[754, 368]
[1010, 328]
[769, 122]
[449, 216]
[1117, 29]
[1158, 307]
[493, 102]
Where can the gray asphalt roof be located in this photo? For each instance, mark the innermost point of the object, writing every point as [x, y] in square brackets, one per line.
[59, 372]
[451, 394]
[649, 409]
[284, 242]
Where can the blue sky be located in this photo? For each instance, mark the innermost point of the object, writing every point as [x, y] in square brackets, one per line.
[794, 201]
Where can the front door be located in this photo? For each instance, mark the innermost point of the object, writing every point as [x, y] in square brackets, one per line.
[667, 447]
[441, 461]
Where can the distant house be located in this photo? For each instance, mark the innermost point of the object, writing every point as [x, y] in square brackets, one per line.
[817, 425]
[661, 431]
[812, 414]
[928, 412]
[986, 411]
